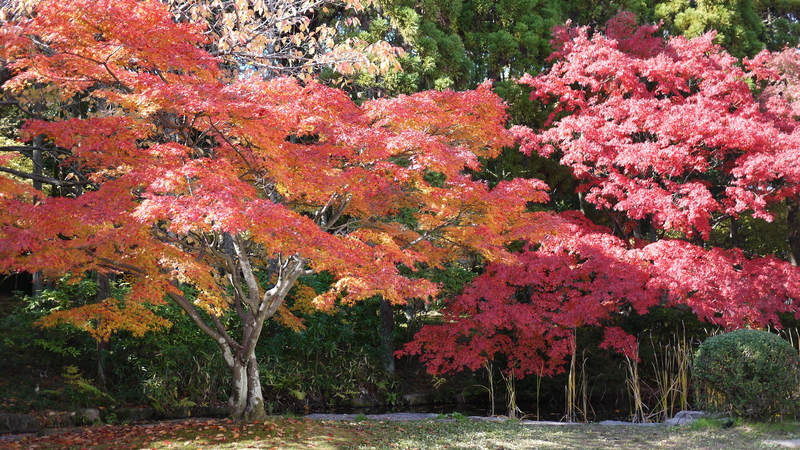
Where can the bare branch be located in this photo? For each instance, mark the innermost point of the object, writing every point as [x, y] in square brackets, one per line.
[247, 271]
[45, 179]
[24, 149]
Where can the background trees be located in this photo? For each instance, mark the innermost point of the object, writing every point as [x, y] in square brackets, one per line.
[668, 141]
[204, 175]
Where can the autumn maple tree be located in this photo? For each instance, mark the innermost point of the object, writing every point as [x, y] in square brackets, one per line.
[527, 312]
[218, 193]
[669, 138]
[666, 133]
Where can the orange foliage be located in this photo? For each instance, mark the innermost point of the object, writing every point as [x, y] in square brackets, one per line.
[204, 181]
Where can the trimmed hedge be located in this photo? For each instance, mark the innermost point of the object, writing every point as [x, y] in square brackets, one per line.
[749, 373]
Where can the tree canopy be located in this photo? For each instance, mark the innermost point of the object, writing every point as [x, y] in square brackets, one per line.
[235, 188]
[669, 139]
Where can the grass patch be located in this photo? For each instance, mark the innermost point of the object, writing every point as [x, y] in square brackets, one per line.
[703, 423]
[290, 433]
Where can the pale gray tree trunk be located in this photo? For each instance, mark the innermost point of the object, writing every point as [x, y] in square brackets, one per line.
[253, 304]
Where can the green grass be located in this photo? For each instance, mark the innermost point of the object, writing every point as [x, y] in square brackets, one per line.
[288, 433]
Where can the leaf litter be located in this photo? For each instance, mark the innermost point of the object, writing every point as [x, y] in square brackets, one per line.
[290, 433]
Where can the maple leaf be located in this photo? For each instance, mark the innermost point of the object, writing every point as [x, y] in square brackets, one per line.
[576, 275]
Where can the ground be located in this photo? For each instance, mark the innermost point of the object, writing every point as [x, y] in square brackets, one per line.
[360, 432]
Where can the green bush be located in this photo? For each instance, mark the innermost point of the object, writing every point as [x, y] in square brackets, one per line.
[79, 391]
[752, 374]
[170, 369]
[337, 357]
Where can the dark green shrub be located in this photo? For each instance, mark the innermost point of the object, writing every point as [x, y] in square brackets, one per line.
[170, 369]
[337, 357]
[78, 391]
[753, 374]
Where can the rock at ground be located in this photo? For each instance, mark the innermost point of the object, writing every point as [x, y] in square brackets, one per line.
[18, 423]
[362, 401]
[129, 414]
[790, 443]
[489, 418]
[392, 416]
[90, 415]
[685, 418]
[210, 411]
[547, 422]
[59, 419]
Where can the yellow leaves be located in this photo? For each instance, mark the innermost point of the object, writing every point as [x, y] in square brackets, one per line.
[345, 67]
[297, 38]
[303, 296]
[325, 301]
[284, 26]
[289, 320]
[101, 320]
[258, 6]
[352, 22]
[279, 35]
[357, 5]
[213, 302]
[355, 55]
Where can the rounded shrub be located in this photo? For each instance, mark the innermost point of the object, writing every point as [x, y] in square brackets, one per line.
[752, 374]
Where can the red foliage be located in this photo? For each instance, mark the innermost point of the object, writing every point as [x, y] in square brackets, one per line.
[723, 286]
[579, 275]
[646, 124]
[582, 275]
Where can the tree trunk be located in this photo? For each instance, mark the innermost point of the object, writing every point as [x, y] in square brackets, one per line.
[38, 161]
[735, 232]
[254, 306]
[387, 334]
[793, 219]
[103, 347]
[246, 403]
[37, 283]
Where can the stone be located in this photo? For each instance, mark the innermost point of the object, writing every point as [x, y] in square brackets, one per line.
[59, 419]
[685, 418]
[361, 401]
[90, 415]
[18, 423]
[620, 422]
[129, 415]
[788, 443]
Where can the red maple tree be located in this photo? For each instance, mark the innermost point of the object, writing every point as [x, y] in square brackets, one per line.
[663, 133]
[181, 176]
[668, 132]
[528, 311]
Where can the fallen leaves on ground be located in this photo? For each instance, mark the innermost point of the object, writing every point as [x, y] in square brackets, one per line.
[293, 434]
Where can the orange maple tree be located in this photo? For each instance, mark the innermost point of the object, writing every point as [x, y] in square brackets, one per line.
[186, 178]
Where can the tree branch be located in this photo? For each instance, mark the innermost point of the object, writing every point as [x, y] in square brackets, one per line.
[20, 148]
[253, 293]
[45, 179]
